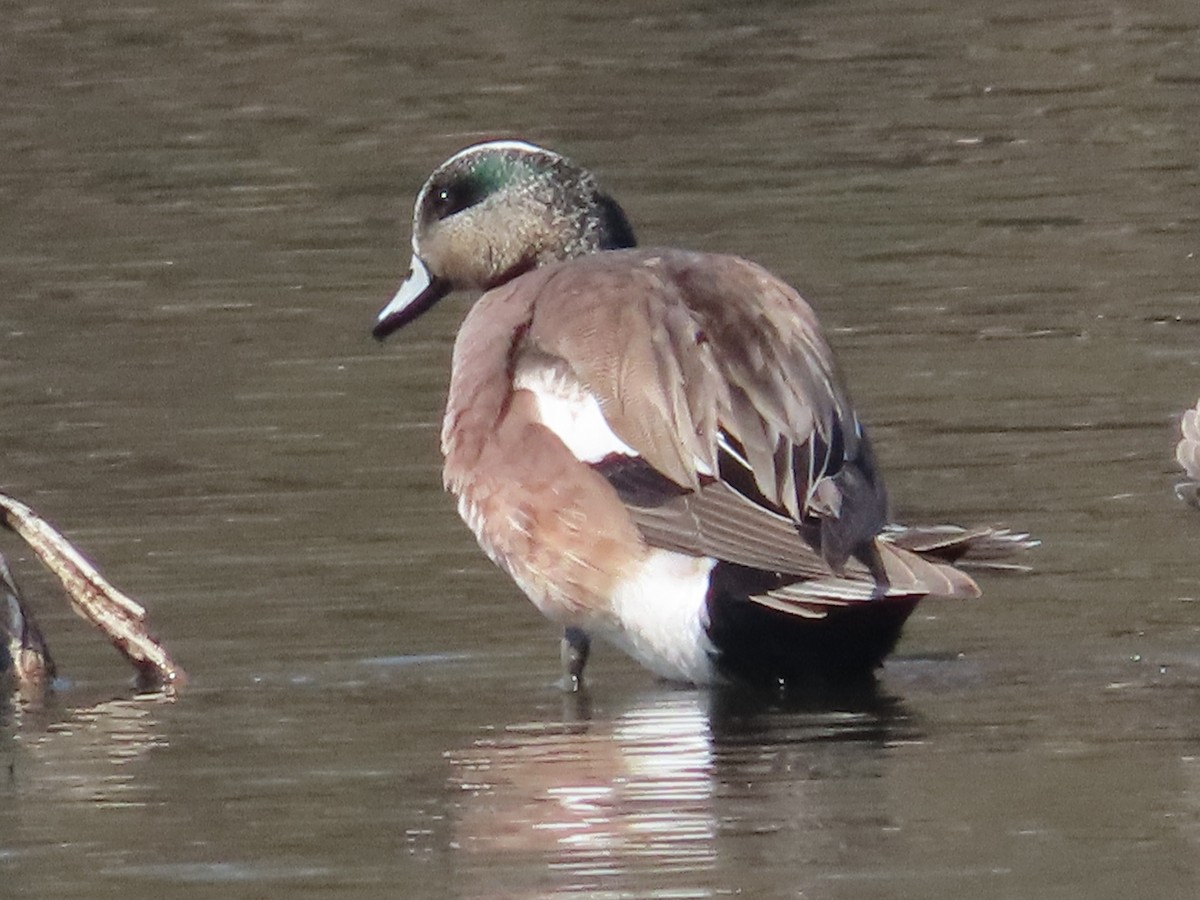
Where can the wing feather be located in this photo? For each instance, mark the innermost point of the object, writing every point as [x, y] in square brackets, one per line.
[704, 364]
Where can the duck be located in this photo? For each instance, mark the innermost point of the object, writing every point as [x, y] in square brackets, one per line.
[1187, 454]
[656, 444]
[1187, 451]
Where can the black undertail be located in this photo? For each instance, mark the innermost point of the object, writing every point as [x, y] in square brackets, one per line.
[760, 645]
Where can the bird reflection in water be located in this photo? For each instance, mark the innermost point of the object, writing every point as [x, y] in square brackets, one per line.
[653, 794]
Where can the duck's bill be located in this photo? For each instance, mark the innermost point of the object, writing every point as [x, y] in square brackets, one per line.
[418, 293]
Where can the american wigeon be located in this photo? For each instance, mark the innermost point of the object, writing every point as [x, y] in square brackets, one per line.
[656, 444]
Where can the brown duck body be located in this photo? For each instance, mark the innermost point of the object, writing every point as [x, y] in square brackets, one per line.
[656, 446]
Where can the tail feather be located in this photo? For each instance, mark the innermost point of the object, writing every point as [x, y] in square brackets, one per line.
[902, 574]
[926, 576]
[983, 547]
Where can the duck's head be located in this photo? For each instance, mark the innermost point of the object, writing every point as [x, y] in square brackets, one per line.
[494, 211]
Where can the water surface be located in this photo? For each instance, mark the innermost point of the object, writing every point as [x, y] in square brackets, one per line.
[202, 205]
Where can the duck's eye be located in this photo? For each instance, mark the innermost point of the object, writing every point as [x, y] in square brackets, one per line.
[452, 198]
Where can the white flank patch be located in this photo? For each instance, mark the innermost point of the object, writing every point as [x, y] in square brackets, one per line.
[661, 616]
[572, 414]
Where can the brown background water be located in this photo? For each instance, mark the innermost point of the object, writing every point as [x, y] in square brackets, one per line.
[994, 208]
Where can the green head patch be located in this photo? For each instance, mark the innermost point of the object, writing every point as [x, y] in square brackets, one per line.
[471, 180]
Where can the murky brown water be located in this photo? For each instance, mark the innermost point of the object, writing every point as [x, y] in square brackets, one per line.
[202, 205]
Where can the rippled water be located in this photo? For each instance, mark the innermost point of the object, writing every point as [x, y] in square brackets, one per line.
[993, 206]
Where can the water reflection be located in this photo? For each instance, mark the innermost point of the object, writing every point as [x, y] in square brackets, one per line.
[66, 776]
[1191, 798]
[84, 754]
[658, 793]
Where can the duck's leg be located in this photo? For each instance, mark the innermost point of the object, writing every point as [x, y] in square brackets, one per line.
[575, 648]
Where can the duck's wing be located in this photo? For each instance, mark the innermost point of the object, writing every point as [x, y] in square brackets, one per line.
[734, 437]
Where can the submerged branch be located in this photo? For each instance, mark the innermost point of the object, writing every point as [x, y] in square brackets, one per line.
[121, 618]
[25, 660]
